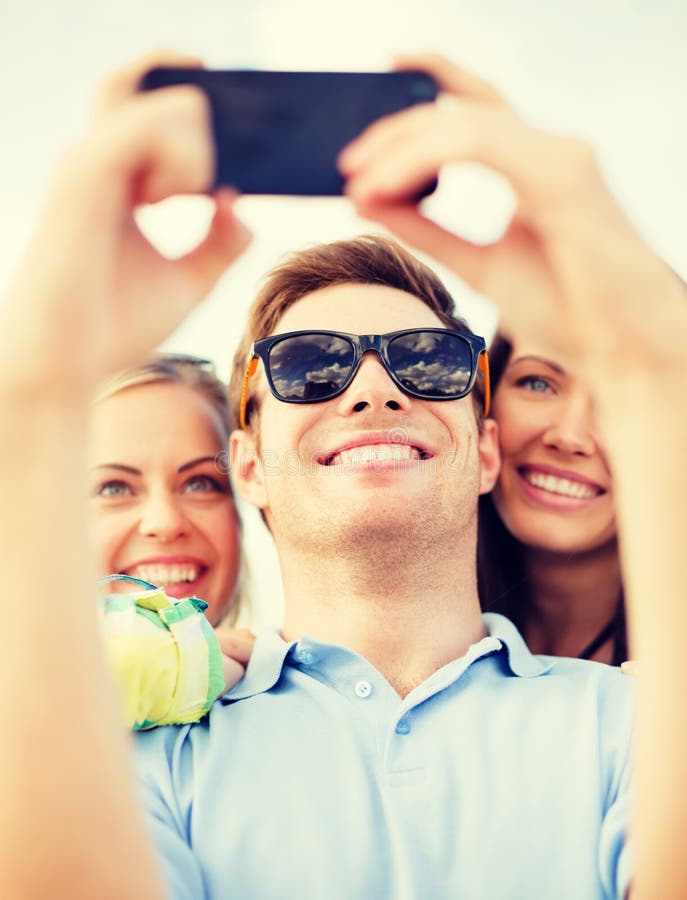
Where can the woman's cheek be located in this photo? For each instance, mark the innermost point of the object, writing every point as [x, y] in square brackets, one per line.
[108, 536]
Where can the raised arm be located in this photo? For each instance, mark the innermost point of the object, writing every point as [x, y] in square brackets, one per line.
[572, 271]
[92, 296]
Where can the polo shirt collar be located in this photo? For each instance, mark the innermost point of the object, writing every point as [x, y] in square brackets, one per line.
[520, 661]
[270, 652]
[264, 667]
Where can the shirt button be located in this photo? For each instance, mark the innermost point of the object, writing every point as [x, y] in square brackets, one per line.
[305, 657]
[363, 689]
[403, 726]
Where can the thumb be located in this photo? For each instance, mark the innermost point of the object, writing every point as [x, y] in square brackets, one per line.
[470, 261]
[236, 643]
[232, 671]
[225, 241]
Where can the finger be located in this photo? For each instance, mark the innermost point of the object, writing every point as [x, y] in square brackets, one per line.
[120, 85]
[629, 667]
[232, 671]
[451, 78]
[394, 128]
[378, 137]
[226, 240]
[236, 643]
[470, 261]
[155, 144]
[509, 271]
[399, 154]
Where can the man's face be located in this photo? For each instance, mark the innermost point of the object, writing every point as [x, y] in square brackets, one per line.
[372, 463]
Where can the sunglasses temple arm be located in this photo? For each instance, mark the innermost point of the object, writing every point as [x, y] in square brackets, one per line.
[250, 371]
[483, 366]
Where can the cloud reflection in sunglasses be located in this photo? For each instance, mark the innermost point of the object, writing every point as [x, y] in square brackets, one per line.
[333, 375]
[437, 376]
[291, 362]
[293, 378]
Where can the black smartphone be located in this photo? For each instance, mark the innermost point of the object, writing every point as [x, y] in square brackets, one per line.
[281, 132]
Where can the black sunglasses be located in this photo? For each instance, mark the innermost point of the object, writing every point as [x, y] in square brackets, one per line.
[313, 366]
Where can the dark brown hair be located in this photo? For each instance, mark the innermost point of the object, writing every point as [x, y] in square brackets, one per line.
[370, 259]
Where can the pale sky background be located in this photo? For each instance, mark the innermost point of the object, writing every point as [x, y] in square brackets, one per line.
[611, 71]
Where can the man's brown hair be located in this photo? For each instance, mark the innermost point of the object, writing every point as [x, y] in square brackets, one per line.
[369, 259]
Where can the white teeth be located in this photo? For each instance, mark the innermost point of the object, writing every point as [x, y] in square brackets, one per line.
[160, 574]
[562, 486]
[372, 453]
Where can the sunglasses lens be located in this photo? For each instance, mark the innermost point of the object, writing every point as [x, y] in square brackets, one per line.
[310, 366]
[431, 363]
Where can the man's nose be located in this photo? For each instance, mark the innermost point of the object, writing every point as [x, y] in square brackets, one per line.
[163, 517]
[372, 389]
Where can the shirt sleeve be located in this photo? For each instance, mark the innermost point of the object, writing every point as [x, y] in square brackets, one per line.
[615, 851]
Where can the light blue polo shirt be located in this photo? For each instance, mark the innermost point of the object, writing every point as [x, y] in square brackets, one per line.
[502, 776]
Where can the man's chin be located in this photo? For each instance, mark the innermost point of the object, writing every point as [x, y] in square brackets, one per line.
[380, 522]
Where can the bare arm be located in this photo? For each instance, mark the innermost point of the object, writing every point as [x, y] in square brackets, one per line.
[572, 272]
[92, 296]
[649, 445]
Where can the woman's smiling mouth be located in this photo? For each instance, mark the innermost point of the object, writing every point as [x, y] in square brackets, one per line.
[558, 485]
[177, 577]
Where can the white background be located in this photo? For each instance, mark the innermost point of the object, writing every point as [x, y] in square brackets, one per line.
[613, 71]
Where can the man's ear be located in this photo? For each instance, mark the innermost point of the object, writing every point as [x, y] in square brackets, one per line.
[489, 455]
[248, 474]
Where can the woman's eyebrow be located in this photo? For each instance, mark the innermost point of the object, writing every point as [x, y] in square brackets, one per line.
[196, 462]
[122, 468]
[540, 359]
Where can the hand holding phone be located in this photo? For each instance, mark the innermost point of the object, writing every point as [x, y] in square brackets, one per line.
[281, 132]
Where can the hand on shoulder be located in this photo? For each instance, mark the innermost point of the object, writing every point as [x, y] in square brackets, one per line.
[236, 645]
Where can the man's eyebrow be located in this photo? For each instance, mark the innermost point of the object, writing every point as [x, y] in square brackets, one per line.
[196, 462]
[539, 359]
[122, 468]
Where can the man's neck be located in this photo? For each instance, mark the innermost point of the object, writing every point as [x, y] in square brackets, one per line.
[406, 616]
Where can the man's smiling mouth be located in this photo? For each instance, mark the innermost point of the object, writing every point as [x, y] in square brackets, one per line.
[374, 453]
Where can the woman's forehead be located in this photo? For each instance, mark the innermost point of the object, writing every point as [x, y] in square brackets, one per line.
[155, 414]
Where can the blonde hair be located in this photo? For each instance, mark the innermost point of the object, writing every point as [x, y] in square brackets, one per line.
[199, 375]
[175, 368]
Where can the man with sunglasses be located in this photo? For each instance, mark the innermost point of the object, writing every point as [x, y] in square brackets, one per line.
[391, 743]
[389, 729]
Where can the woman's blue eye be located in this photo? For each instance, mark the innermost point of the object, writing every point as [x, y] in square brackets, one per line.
[113, 489]
[534, 383]
[202, 484]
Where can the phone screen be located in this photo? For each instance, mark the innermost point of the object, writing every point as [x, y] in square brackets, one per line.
[281, 132]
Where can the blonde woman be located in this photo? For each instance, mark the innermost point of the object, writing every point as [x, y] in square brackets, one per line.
[163, 514]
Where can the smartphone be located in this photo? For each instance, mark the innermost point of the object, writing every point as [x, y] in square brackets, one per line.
[281, 132]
